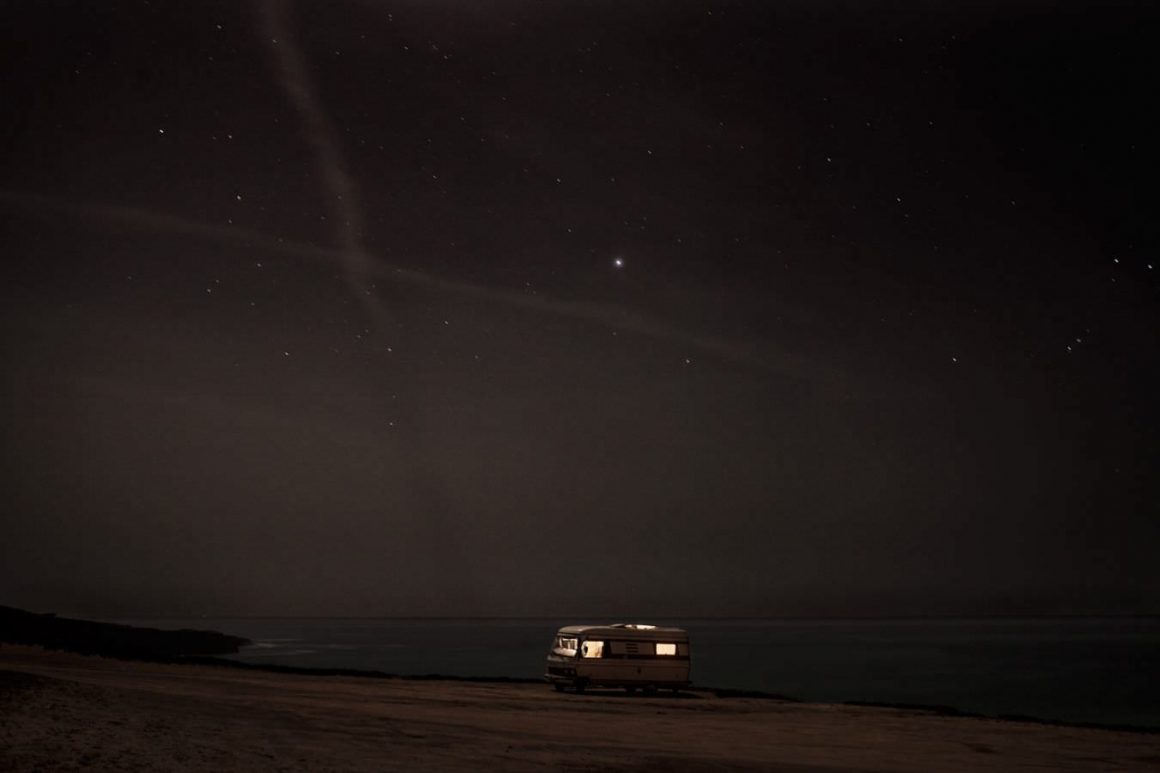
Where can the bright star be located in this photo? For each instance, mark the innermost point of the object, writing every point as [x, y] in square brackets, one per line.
[618, 262]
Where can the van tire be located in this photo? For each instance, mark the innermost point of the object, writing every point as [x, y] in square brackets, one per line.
[559, 687]
[580, 685]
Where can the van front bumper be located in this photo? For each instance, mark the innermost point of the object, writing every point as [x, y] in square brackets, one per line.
[559, 674]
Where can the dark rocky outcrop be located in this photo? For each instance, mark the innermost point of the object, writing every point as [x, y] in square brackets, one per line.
[110, 639]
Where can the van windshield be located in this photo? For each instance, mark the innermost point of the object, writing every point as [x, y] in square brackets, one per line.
[565, 645]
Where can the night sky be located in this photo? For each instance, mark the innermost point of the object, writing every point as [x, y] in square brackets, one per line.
[598, 308]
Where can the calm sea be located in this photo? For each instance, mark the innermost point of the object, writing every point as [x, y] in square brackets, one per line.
[1102, 670]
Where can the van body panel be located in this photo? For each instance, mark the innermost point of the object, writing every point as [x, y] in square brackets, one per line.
[623, 655]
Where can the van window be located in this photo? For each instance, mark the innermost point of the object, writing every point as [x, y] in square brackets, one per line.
[592, 649]
[666, 649]
[565, 645]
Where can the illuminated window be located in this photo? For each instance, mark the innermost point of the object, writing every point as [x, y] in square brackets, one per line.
[566, 646]
[592, 649]
[666, 649]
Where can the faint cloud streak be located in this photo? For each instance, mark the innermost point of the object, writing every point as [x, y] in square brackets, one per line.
[612, 317]
[339, 187]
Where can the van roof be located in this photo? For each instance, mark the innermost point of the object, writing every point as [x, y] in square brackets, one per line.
[626, 631]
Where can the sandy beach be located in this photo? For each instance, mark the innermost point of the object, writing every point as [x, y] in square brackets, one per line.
[60, 711]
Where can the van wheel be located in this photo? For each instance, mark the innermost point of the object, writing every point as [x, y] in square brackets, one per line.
[650, 690]
[630, 690]
[559, 687]
[581, 684]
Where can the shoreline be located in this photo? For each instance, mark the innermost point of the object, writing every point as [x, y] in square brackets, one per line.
[718, 692]
[694, 690]
[190, 646]
[1085, 673]
[62, 710]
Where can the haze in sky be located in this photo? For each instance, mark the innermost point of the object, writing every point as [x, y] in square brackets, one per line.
[609, 309]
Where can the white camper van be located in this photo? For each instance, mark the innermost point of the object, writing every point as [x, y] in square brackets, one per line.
[624, 655]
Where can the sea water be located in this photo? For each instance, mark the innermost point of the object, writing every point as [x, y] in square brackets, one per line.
[1097, 670]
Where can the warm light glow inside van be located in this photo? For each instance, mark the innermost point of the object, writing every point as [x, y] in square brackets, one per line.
[628, 655]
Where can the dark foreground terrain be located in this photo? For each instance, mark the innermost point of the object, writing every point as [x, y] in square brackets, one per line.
[64, 711]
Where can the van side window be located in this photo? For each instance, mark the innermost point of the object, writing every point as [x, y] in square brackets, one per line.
[666, 649]
[592, 649]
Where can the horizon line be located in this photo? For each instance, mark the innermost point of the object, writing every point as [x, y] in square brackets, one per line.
[1011, 616]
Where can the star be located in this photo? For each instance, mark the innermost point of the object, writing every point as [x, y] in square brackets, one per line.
[618, 262]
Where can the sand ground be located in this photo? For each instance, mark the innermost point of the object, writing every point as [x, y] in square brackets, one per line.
[66, 712]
